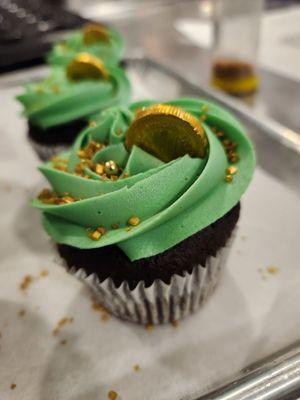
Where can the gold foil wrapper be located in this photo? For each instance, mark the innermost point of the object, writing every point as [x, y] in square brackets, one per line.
[93, 33]
[86, 66]
[167, 132]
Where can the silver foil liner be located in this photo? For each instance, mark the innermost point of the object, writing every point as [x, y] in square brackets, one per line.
[46, 152]
[160, 302]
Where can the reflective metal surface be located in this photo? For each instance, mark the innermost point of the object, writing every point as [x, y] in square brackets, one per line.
[276, 378]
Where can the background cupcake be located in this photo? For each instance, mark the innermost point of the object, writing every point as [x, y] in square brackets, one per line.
[58, 107]
[95, 39]
[145, 208]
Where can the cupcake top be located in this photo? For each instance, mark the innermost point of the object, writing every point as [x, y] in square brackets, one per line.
[84, 87]
[147, 177]
[95, 39]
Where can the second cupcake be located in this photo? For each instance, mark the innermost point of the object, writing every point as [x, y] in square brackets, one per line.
[58, 107]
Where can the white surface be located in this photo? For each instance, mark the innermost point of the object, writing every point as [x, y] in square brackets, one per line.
[279, 40]
[247, 317]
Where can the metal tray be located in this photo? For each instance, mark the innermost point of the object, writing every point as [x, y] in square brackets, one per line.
[278, 161]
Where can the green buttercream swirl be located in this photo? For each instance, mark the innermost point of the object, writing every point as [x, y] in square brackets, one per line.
[173, 200]
[57, 100]
[110, 52]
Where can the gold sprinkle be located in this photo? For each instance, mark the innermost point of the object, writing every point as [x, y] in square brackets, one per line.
[149, 327]
[21, 313]
[112, 395]
[55, 89]
[95, 235]
[136, 368]
[104, 317]
[214, 129]
[115, 226]
[272, 269]
[61, 323]
[133, 221]
[44, 273]
[174, 323]
[81, 154]
[27, 280]
[13, 386]
[220, 134]
[228, 178]
[101, 230]
[92, 124]
[204, 107]
[98, 307]
[231, 170]
[203, 117]
[59, 167]
[126, 175]
[99, 169]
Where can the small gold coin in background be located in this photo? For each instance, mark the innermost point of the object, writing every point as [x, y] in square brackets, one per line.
[86, 66]
[167, 132]
[93, 33]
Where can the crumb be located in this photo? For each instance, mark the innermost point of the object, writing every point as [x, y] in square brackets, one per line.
[61, 323]
[63, 342]
[44, 273]
[136, 368]
[98, 307]
[112, 395]
[13, 386]
[7, 188]
[27, 280]
[149, 327]
[174, 323]
[272, 269]
[21, 313]
[104, 316]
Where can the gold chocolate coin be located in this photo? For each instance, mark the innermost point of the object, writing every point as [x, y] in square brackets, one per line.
[93, 33]
[167, 132]
[86, 66]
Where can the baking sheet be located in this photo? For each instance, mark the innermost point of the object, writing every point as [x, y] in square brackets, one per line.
[253, 313]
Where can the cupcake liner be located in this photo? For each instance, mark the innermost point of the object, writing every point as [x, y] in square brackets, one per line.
[160, 302]
[46, 152]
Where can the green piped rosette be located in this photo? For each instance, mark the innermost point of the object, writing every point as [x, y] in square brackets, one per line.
[172, 200]
[58, 100]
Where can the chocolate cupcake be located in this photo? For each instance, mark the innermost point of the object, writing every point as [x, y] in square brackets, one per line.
[144, 206]
[95, 39]
[58, 107]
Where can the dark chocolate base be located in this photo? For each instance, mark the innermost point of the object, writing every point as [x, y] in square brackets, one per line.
[64, 134]
[111, 262]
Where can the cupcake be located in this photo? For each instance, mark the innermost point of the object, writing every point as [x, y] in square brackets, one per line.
[95, 39]
[58, 107]
[144, 206]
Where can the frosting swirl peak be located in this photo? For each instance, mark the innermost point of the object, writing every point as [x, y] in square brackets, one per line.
[170, 200]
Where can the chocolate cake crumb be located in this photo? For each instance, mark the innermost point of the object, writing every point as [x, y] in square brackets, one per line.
[13, 386]
[174, 324]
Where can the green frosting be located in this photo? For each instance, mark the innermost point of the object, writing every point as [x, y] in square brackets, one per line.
[172, 200]
[57, 100]
[110, 52]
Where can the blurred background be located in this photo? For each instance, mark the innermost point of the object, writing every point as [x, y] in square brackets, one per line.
[246, 49]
